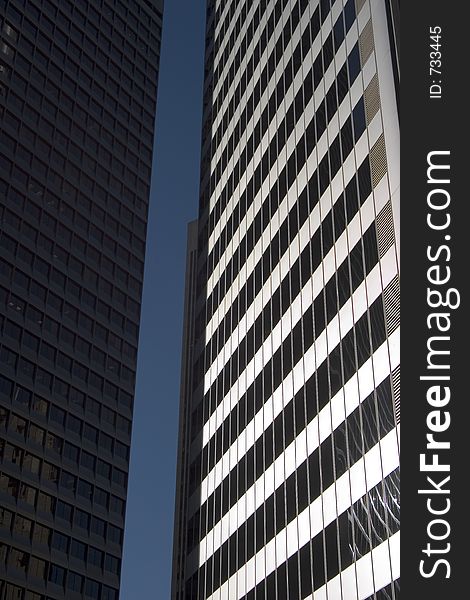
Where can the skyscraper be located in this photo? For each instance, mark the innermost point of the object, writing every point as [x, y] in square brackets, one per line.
[290, 465]
[77, 105]
[182, 496]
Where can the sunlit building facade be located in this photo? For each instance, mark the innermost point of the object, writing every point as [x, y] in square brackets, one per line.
[289, 445]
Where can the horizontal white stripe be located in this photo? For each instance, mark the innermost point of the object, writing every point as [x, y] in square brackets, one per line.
[336, 255]
[357, 389]
[252, 7]
[282, 211]
[318, 515]
[215, 194]
[220, 24]
[279, 164]
[246, 92]
[255, 117]
[249, 49]
[369, 574]
[291, 254]
[373, 283]
[264, 295]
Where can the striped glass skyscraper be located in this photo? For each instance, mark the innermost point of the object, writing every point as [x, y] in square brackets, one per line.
[288, 485]
[78, 85]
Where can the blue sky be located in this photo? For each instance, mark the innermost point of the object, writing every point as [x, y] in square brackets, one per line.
[146, 570]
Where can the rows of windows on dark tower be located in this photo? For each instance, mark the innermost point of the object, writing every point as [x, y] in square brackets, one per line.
[291, 471]
[78, 84]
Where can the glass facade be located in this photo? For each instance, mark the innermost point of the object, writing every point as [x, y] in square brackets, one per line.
[77, 105]
[290, 435]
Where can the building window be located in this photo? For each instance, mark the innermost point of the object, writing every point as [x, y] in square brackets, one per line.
[12, 592]
[27, 494]
[70, 452]
[68, 481]
[117, 506]
[114, 534]
[108, 415]
[101, 498]
[98, 527]
[106, 442]
[63, 511]
[18, 560]
[77, 398]
[5, 519]
[95, 557]
[78, 550]
[74, 582]
[41, 534]
[119, 477]
[45, 503]
[74, 424]
[103, 469]
[50, 472]
[56, 575]
[60, 542]
[121, 450]
[22, 526]
[31, 463]
[9, 31]
[87, 460]
[40, 406]
[81, 519]
[53, 442]
[92, 589]
[57, 415]
[108, 593]
[37, 568]
[90, 433]
[111, 564]
[93, 407]
[85, 490]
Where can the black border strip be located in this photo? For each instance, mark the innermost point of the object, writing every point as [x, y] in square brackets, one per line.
[432, 125]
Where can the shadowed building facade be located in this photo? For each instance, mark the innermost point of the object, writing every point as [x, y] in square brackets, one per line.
[77, 105]
[290, 465]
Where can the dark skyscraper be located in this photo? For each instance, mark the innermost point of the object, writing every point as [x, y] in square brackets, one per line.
[77, 104]
[181, 496]
[290, 433]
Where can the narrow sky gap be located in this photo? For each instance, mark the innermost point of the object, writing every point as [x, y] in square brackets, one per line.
[146, 568]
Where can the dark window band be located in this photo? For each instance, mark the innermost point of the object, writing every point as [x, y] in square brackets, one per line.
[340, 287]
[319, 181]
[321, 242]
[318, 472]
[252, 62]
[294, 164]
[308, 37]
[321, 63]
[349, 275]
[358, 344]
[317, 126]
[338, 218]
[317, 562]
